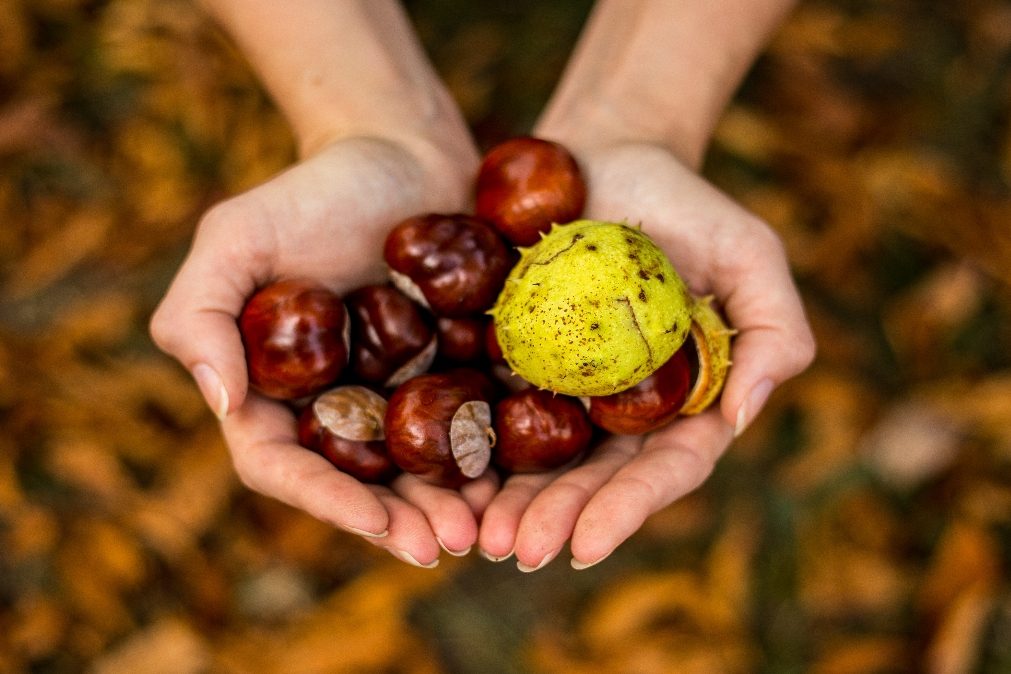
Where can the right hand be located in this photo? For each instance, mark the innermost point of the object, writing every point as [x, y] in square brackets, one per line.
[324, 219]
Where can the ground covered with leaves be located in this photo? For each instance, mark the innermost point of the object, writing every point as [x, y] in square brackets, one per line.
[863, 525]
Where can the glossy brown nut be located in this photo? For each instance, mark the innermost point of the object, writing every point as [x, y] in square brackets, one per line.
[491, 345]
[294, 334]
[461, 340]
[388, 331]
[367, 461]
[457, 263]
[537, 431]
[419, 421]
[650, 404]
[526, 184]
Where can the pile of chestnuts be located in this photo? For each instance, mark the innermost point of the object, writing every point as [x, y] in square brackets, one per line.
[409, 376]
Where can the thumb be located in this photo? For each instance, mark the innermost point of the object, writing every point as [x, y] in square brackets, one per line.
[196, 322]
[774, 341]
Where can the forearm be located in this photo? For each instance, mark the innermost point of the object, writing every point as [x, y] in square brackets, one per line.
[658, 71]
[341, 68]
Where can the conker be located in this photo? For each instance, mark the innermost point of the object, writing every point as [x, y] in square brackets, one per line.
[391, 339]
[438, 426]
[461, 340]
[491, 345]
[537, 430]
[295, 337]
[648, 405]
[525, 184]
[345, 425]
[454, 264]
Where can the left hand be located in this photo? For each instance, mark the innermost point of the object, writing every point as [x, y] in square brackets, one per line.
[719, 249]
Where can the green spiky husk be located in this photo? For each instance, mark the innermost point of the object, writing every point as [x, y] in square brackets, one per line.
[591, 309]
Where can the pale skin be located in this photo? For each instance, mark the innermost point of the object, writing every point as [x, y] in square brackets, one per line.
[382, 140]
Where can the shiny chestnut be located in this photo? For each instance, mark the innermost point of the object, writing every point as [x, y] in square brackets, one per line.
[650, 404]
[295, 337]
[491, 345]
[461, 340]
[526, 184]
[438, 426]
[454, 264]
[345, 426]
[537, 431]
[392, 338]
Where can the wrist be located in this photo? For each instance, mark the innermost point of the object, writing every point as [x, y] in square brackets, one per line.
[657, 72]
[588, 128]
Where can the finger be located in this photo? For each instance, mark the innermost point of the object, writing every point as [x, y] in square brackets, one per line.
[410, 538]
[449, 516]
[261, 436]
[774, 341]
[497, 535]
[480, 492]
[672, 463]
[549, 520]
[196, 320]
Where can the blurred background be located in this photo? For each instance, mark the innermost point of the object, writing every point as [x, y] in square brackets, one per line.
[862, 525]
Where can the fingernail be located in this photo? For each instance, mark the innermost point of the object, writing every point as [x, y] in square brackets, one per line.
[752, 405]
[405, 556]
[544, 562]
[579, 566]
[455, 553]
[494, 558]
[212, 388]
[367, 534]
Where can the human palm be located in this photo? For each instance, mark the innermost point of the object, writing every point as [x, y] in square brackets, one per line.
[324, 220]
[720, 250]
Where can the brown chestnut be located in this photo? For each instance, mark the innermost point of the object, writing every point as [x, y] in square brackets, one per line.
[538, 430]
[295, 336]
[453, 264]
[525, 184]
[391, 338]
[461, 340]
[345, 426]
[648, 405]
[491, 345]
[438, 426]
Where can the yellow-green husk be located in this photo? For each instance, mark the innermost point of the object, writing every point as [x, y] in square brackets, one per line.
[591, 309]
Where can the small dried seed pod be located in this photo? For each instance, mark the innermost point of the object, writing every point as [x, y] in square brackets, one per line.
[711, 337]
[438, 426]
[345, 425]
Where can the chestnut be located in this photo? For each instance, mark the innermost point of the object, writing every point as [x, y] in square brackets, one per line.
[648, 405]
[537, 430]
[438, 426]
[525, 184]
[461, 340]
[391, 339]
[295, 334]
[491, 345]
[345, 426]
[453, 264]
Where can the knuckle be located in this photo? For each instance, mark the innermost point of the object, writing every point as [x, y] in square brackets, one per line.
[247, 472]
[805, 350]
[161, 327]
[769, 241]
[695, 469]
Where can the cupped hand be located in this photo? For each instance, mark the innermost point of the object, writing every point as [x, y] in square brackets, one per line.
[324, 219]
[719, 249]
